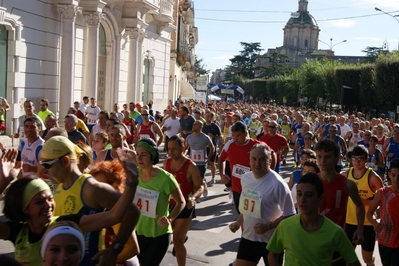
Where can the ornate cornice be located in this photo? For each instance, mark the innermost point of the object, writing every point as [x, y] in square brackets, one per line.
[135, 33]
[69, 11]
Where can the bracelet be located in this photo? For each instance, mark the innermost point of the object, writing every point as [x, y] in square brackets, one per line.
[132, 184]
[3, 150]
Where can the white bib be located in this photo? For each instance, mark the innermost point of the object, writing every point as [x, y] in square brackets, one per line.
[250, 203]
[197, 155]
[284, 132]
[146, 200]
[239, 170]
[144, 136]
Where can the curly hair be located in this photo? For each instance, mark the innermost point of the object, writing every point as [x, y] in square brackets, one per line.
[113, 171]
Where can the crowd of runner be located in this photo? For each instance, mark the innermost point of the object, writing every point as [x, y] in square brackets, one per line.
[99, 174]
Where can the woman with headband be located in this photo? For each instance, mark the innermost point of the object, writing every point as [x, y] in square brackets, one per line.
[63, 243]
[154, 190]
[29, 206]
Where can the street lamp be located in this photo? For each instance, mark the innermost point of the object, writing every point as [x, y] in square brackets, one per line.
[331, 45]
[394, 16]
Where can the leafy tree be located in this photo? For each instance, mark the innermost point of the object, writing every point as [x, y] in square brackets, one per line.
[372, 53]
[244, 63]
[276, 66]
[200, 67]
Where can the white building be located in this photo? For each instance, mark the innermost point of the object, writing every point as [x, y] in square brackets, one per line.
[113, 50]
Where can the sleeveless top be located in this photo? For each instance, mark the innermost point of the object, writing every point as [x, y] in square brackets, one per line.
[285, 130]
[335, 200]
[130, 125]
[365, 192]
[181, 178]
[389, 205]
[70, 201]
[146, 131]
[28, 253]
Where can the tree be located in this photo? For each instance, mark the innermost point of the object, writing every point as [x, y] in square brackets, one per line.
[276, 66]
[372, 53]
[200, 67]
[244, 63]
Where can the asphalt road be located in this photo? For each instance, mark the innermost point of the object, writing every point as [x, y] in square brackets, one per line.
[210, 241]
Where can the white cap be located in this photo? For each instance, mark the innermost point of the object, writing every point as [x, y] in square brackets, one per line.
[253, 116]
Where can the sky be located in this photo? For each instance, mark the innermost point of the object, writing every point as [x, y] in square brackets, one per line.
[223, 24]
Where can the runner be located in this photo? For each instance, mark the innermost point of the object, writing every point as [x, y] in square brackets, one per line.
[191, 185]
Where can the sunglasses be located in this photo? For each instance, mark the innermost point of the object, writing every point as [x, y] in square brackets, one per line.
[49, 164]
[144, 114]
[272, 126]
[356, 159]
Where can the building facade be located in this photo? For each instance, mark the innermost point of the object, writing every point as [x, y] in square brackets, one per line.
[117, 51]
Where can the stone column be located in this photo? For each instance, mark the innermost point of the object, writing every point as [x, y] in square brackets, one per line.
[140, 65]
[132, 71]
[67, 64]
[90, 79]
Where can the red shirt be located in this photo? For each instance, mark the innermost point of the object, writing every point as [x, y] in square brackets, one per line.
[335, 200]
[276, 143]
[130, 125]
[181, 178]
[147, 130]
[239, 160]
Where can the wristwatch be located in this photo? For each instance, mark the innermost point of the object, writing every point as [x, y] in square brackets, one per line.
[117, 247]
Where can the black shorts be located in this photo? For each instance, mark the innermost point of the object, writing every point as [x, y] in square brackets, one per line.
[252, 251]
[213, 158]
[368, 234]
[185, 213]
[337, 260]
[389, 256]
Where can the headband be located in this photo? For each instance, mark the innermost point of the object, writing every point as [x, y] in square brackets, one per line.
[62, 230]
[32, 188]
[148, 147]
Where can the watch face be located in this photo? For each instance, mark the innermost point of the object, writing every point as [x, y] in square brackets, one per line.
[117, 247]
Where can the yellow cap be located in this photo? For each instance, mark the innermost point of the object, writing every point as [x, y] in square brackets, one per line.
[58, 146]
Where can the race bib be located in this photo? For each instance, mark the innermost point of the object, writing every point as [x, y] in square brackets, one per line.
[144, 136]
[239, 170]
[284, 132]
[146, 200]
[299, 131]
[250, 203]
[21, 133]
[198, 155]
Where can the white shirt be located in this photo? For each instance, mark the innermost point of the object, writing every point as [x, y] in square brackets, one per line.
[174, 126]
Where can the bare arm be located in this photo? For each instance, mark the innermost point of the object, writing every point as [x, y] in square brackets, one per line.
[372, 208]
[180, 204]
[159, 132]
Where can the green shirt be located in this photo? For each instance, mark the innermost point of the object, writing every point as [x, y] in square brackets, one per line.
[44, 114]
[310, 248]
[163, 184]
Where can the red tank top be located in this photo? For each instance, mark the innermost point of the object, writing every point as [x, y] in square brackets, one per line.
[130, 125]
[146, 131]
[335, 200]
[389, 235]
[181, 178]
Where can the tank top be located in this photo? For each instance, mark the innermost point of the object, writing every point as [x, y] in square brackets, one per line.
[285, 130]
[69, 201]
[389, 205]
[181, 178]
[28, 253]
[146, 131]
[365, 192]
[130, 125]
[335, 200]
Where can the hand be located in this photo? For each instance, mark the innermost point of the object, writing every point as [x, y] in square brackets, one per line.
[260, 228]
[234, 227]
[106, 257]
[224, 179]
[7, 164]
[16, 135]
[163, 221]
[190, 203]
[391, 154]
[358, 238]
[210, 135]
[378, 227]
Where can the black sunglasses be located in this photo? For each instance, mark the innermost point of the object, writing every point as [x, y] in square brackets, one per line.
[144, 114]
[49, 164]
